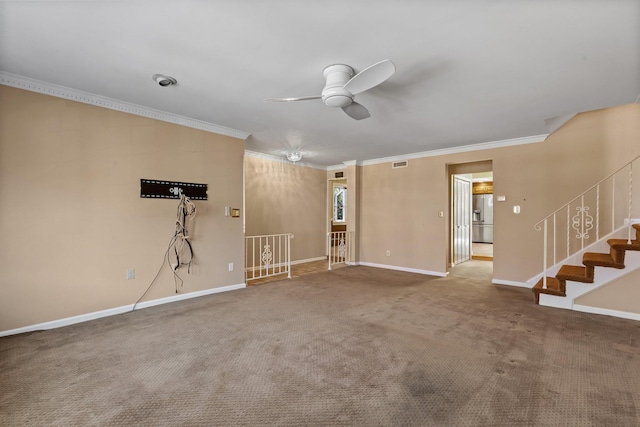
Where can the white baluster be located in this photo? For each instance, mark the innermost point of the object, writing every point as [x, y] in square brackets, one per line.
[613, 203]
[330, 250]
[289, 237]
[554, 238]
[544, 258]
[568, 231]
[630, 201]
[598, 212]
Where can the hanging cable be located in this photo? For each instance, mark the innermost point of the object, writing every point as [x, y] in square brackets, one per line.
[179, 246]
[181, 250]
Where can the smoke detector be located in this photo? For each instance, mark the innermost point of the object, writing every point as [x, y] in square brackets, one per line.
[163, 80]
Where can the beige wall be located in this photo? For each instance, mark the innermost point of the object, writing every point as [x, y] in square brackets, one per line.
[622, 294]
[72, 220]
[282, 197]
[71, 217]
[400, 206]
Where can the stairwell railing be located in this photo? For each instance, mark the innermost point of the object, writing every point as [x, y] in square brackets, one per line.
[267, 255]
[340, 244]
[567, 229]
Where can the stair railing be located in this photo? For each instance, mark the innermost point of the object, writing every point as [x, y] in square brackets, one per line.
[610, 193]
[267, 255]
[339, 244]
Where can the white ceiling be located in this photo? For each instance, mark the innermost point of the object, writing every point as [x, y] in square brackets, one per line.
[468, 72]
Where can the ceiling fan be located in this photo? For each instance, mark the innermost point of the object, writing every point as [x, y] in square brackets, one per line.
[342, 85]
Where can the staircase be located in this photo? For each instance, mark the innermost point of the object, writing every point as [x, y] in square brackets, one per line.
[585, 273]
[602, 219]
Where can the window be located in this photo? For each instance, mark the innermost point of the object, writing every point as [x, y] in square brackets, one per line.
[339, 203]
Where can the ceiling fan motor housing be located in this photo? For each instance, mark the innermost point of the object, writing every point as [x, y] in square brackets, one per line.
[334, 94]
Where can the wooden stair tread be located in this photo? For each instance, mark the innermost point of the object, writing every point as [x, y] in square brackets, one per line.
[553, 287]
[623, 244]
[600, 259]
[576, 273]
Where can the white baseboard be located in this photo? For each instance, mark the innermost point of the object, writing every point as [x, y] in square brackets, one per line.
[282, 265]
[117, 310]
[302, 261]
[181, 297]
[511, 283]
[408, 270]
[607, 312]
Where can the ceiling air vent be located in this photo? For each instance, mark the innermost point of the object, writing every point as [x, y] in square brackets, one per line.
[402, 164]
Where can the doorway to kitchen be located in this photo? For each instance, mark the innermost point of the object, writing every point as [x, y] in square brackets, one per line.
[471, 222]
[482, 216]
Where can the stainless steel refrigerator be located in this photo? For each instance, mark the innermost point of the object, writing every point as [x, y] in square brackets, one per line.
[482, 227]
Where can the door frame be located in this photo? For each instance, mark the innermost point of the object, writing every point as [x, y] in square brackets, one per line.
[469, 169]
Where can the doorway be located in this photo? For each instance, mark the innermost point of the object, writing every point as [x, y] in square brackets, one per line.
[471, 218]
[338, 205]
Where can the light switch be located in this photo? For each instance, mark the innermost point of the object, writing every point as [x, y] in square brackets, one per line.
[516, 209]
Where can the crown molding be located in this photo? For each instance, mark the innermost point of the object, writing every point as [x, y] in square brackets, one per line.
[453, 150]
[45, 88]
[336, 167]
[352, 163]
[279, 159]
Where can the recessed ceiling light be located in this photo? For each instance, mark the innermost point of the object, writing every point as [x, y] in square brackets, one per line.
[164, 80]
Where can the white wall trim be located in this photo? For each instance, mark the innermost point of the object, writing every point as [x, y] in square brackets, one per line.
[511, 283]
[607, 312]
[407, 269]
[282, 265]
[117, 310]
[281, 159]
[302, 261]
[452, 150]
[352, 163]
[461, 149]
[182, 297]
[45, 88]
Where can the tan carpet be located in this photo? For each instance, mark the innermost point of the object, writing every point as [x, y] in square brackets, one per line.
[355, 346]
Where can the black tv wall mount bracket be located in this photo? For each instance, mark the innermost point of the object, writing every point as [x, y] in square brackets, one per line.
[161, 189]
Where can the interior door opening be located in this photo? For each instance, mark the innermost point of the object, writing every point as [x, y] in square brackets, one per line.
[471, 225]
[482, 216]
[338, 203]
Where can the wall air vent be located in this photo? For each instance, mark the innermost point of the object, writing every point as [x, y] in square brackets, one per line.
[402, 164]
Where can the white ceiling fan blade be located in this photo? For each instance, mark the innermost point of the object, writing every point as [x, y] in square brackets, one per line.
[300, 98]
[356, 111]
[371, 76]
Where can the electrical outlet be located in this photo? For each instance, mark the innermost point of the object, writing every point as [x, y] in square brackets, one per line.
[230, 266]
[388, 252]
[131, 274]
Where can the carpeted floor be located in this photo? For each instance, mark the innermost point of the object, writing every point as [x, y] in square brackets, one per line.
[355, 346]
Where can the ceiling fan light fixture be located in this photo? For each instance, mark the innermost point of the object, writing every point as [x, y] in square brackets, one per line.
[294, 156]
[341, 85]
